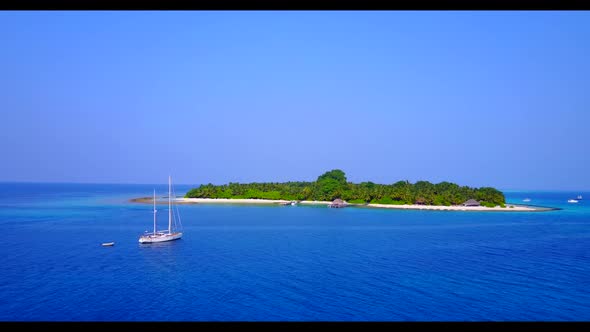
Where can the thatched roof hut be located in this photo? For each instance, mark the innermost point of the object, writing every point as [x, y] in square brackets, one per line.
[471, 202]
[337, 203]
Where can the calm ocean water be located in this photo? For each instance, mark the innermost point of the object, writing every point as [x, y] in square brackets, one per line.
[267, 263]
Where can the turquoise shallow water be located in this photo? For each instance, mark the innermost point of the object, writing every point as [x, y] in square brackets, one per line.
[271, 263]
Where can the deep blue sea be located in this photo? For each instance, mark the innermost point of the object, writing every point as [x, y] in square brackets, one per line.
[273, 263]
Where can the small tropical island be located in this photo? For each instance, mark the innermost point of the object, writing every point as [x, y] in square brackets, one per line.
[333, 189]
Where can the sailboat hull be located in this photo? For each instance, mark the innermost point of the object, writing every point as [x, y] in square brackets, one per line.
[160, 237]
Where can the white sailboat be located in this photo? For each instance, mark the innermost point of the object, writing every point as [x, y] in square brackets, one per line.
[163, 235]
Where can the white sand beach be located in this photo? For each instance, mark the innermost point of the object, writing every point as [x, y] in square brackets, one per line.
[516, 208]
[244, 201]
[456, 207]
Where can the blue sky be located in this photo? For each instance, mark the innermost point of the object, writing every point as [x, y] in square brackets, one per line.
[479, 98]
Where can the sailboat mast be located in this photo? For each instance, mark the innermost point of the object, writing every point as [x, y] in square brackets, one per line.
[154, 211]
[169, 205]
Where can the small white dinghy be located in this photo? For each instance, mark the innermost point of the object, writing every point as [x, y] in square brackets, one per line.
[108, 244]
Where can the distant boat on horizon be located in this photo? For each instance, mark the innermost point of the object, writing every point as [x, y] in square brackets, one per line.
[572, 201]
[164, 235]
[526, 200]
[579, 197]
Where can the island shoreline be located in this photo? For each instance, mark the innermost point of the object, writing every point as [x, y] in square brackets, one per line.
[236, 201]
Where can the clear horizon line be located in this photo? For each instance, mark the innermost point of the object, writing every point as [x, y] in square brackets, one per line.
[187, 184]
[106, 183]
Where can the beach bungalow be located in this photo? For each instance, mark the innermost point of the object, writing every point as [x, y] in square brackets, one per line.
[471, 202]
[337, 203]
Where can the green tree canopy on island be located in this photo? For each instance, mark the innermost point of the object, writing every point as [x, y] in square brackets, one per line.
[334, 174]
[333, 184]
